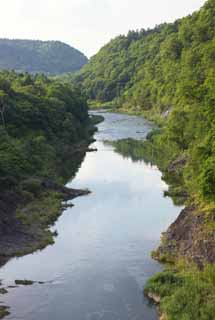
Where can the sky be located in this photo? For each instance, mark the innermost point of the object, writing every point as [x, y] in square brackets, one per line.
[86, 24]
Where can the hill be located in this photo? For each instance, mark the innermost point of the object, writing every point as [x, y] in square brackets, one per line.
[49, 57]
[153, 69]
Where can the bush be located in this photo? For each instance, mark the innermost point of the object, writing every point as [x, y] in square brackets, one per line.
[32, 185]
[185, 294]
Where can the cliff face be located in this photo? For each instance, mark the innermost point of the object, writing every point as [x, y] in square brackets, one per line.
[186, 288]
[189, 237]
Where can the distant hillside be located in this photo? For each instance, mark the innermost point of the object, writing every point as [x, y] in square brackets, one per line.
[50, 57]
[152, 70]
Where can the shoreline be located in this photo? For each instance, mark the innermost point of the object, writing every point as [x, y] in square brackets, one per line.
[31, 235]
[28, 222]
[187, 247]
[26, 217]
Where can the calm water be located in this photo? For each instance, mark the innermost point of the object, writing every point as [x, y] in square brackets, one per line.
[101, 259]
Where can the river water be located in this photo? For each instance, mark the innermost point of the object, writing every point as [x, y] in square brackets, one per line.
[100, 261]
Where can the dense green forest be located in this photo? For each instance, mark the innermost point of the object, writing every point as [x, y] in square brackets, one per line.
[153, 69]
[168, 75]
[39, 118]
[50, 57]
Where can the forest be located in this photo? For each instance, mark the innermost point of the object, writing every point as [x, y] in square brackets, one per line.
[39, 117]
[34, 56]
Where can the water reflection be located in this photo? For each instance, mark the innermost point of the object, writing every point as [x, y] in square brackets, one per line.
[101, 258]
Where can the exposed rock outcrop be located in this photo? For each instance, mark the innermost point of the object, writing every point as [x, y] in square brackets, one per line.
[189, 237]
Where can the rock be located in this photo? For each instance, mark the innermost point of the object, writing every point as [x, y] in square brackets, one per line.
[189, 237]
[27, 282]
[178, 164]
[4, 311]
[24, 282]
[3, 291]
[166, 114]
[92, 149]
[154, 297]
[67, 193]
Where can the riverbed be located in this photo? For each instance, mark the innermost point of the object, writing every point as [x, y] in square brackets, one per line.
[101, 259]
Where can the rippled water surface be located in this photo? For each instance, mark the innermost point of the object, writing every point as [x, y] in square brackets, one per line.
[101, 259]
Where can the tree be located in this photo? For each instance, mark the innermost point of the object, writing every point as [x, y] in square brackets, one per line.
[3, 105]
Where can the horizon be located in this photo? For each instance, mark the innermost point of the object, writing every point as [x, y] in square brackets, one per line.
[86, 27]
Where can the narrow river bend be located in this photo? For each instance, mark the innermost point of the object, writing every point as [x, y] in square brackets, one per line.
[97, 268]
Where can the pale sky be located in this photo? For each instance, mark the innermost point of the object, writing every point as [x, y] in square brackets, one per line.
[86, 24]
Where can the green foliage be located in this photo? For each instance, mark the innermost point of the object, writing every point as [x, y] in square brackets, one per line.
[50, 57]
[40, 119]
[164, 284]
[185, 294]
[31, 185]
[207, 177]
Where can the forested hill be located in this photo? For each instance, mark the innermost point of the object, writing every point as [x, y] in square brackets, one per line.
[156, 68]
[50, 57]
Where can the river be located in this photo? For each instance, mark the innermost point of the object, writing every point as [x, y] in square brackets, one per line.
[100, 261]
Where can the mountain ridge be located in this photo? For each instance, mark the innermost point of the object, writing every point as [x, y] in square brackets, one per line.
[36, 56]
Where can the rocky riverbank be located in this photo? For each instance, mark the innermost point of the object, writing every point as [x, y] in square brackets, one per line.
[185, 289]
[191, 237]
[156, 299]
[24, 224]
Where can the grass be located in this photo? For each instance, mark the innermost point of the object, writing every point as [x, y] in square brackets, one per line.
[4, 311]
[37, 216]
[43, 210]
[93, 104]
[185, 292]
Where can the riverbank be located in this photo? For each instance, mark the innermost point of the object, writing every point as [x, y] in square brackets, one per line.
[186, 287]
[27, 214]
[158, 119]
[26, 223]
[191, 236]
[187, 247]
[28, 211]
